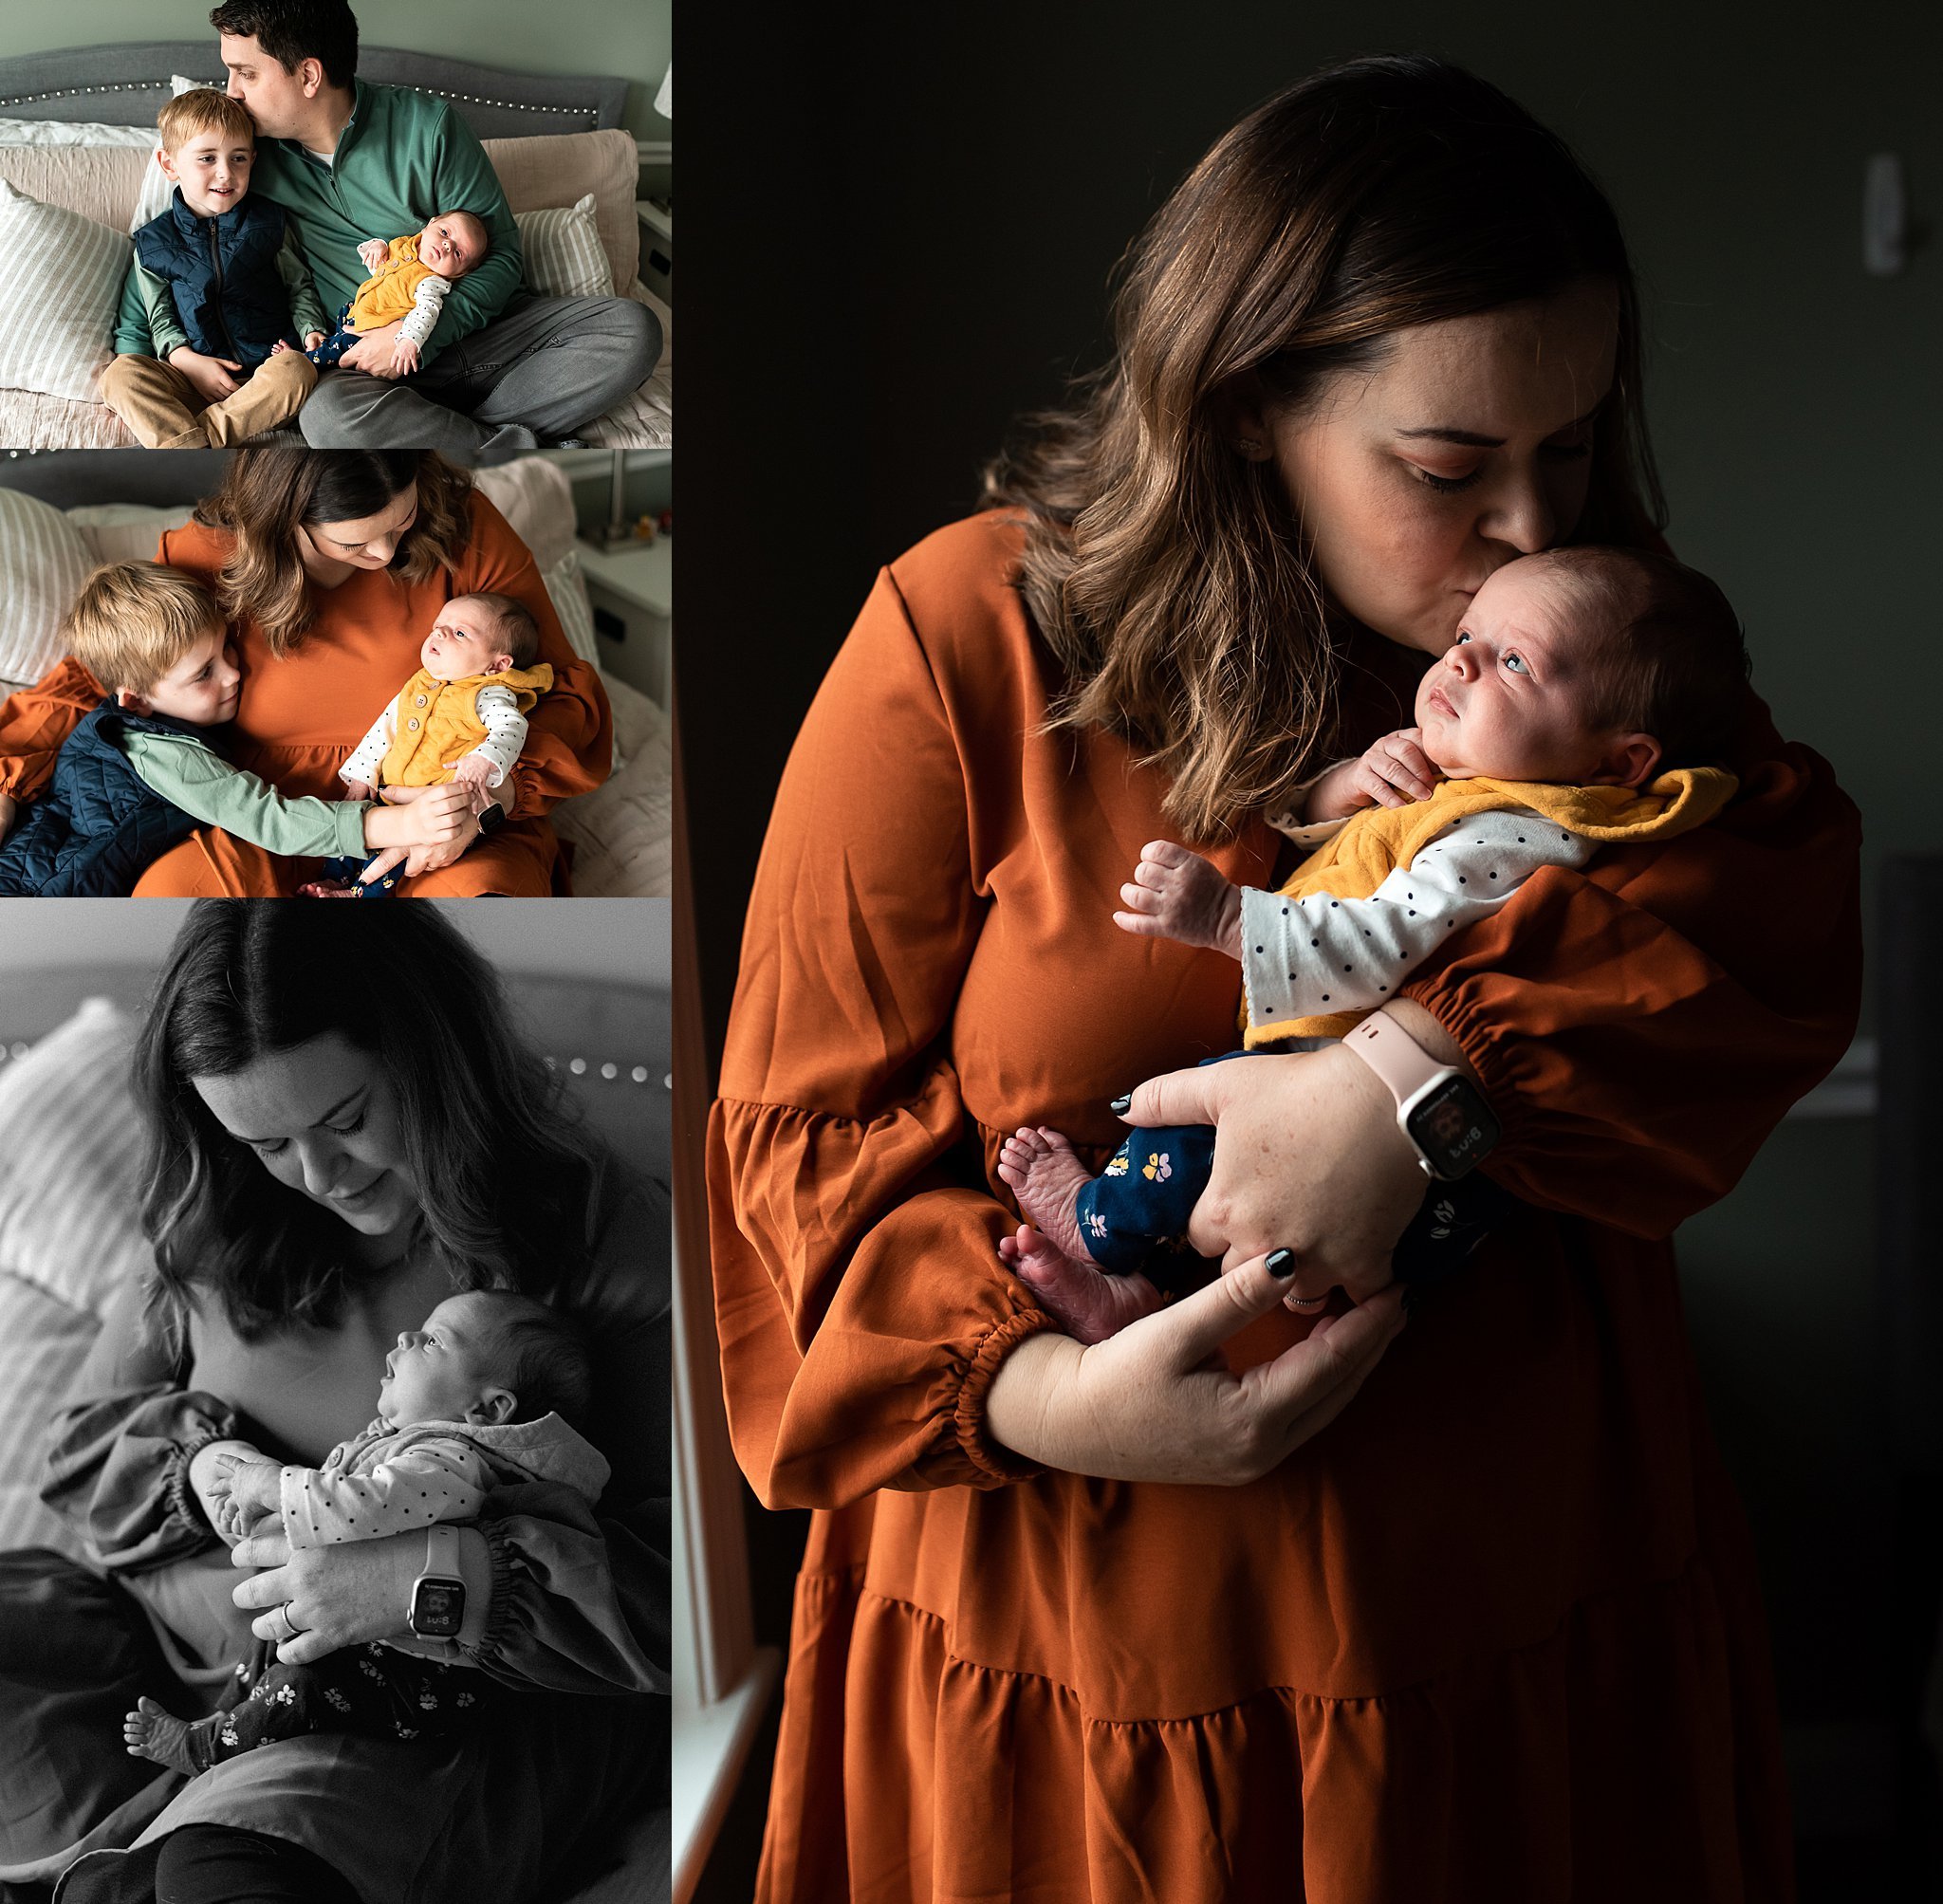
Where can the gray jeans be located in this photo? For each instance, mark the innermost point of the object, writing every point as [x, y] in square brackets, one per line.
[539, 371]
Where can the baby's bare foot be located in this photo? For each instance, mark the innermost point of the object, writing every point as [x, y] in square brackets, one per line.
[1046, 1178]
[1091, 1304]
[152, 1733]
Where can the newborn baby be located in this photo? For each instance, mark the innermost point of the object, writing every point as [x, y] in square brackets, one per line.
[409, 280]
[475, 1400]
[461, 718]
[1579, 678]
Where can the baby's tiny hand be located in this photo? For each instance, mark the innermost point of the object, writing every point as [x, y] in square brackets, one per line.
[360, 789]
[278, 345]
[1392, 773]
[476, 771]
[405, 356]
[373, 252]
[313, 337]
[1177, 895]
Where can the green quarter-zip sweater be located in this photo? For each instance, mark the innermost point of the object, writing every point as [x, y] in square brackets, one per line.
[404, 157]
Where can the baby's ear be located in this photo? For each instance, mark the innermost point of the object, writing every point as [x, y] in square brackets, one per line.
[1630, 760]
[501, 664]
[494, 1408]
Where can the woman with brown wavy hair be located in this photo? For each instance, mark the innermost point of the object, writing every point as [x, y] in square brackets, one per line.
[1496, 1633]
[332, 564]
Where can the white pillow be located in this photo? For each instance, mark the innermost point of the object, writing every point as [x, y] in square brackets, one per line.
[45, 562]
[125, 531]
[565, 257]
[73, 1140]
[157, 186]
[63, 132]
[64, 284]
[566, 588]
[536, 499]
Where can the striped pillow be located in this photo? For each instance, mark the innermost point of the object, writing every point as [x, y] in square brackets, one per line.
[70, 1162]
[45, 562]
[63, 283]
[563, 253]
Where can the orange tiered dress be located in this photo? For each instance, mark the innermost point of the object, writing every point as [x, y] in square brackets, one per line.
[301, 715]
[1494, 1635]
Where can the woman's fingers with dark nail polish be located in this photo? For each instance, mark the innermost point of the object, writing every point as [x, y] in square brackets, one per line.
[1281, 1264]
[1120, 1106]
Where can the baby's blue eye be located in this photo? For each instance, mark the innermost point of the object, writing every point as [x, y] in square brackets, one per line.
[1516, 664]
[1462, 639]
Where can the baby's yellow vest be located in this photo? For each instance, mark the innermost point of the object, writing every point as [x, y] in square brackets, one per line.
[435, 721]
[386, 295]
[1371, 845]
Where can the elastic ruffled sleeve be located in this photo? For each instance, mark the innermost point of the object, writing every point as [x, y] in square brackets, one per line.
[580, 1604]
[570, 746]
[37, 720]
[1640, 1027]
[861, 1305]
[118, 1472]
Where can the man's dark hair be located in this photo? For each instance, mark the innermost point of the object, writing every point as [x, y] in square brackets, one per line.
[291, 31]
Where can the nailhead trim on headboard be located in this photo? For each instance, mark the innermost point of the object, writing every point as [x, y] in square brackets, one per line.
[606, 1069]
[591, 112]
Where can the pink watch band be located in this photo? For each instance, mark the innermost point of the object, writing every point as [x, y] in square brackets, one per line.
[1395, 1056]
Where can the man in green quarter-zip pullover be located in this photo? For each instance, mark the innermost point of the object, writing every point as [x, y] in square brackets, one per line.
[349, 161]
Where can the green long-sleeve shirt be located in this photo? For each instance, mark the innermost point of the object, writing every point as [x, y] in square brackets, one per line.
[149, 324]
[404, 157]
[187, 774]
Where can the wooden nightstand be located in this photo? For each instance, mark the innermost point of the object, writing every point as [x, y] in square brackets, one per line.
[632, 590]
[658, 247]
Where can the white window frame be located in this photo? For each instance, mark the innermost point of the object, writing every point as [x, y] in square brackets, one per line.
[722, 1680]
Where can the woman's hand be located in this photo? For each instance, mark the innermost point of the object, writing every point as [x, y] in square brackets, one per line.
[1177, 895]
[335, 1597]
[1150, 1405]
[1308, 1157]
[9, 809]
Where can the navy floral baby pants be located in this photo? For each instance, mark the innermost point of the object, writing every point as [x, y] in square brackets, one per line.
[373, 1689]
[1134, 1215]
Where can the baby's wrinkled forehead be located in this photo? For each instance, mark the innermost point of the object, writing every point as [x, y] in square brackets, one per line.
[1568, 601]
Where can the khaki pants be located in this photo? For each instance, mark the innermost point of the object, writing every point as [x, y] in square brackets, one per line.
[167, 412]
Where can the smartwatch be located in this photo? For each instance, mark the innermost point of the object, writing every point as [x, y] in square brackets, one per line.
[491, 818]
[439, 1595]
[1439, 1108]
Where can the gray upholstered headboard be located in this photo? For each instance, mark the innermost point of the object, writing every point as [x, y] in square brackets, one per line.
[67, 479]
[127, 85]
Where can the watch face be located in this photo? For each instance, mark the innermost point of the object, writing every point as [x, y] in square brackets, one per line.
[1453, 1127]
[439, 1609]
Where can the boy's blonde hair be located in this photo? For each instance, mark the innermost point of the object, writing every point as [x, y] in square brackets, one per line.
[133, 621]
[194, 111]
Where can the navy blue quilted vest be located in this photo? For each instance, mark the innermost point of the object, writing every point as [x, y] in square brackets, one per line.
[99, 826]
[224, 273]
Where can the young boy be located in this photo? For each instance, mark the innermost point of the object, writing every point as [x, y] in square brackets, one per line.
[140, 772]
[1548, 730]
[217, 295]
[479, 1397]
[462, 717]
[409, 280]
